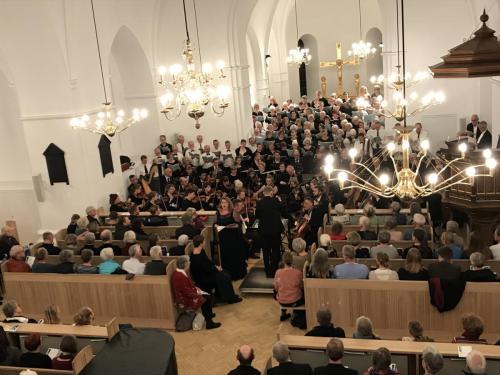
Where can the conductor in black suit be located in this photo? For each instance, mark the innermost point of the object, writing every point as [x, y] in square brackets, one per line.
[484, 140]
[268, 212]
[335, 352]
[286, 366]
[473, 126]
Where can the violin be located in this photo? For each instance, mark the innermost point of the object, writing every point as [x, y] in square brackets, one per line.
[302, 227]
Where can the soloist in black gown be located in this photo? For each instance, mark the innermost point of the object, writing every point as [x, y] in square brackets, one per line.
[233, 248]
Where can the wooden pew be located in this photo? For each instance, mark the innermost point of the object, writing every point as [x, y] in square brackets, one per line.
[338, 245]
[54, 259]
[406, 354]
[81, 360]
[353, 228]
[144, 301]
[392, 304]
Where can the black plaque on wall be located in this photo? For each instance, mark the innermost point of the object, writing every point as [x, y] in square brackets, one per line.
[105, 154]
[56, 164]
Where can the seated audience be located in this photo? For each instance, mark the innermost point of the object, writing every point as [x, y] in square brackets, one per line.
[335, 353]
[7, 241]
[41, 265]
[72, 226]
[325, 327]
[364, 329]
[478, 272]
[370, 212]
[354, 239]
[339, 214]
[13, 313]
[418, 222]
[384, 246]
[16, 262]
[108, 265]
[134, 265]
[71, 243]
[245, 357]
[155, 266]
[350, 269]
[84, 317]
[52, 315]
[197, 222]
[381, 362]
[86, 266]
[413, 269]
[365, 229]
[299, 246]
[416, 332]
[137, 226]
[48, 244]
[187, 227]
[89, 242]
[281, 354]
[420, 243]
[288, 285]
[495, 249]
[107, 241]
[154, 240]
[473, 329]
[383, 272]
[155, 220]
[9, 354]
[475, 363]
[68, 348]
[319, 268]
[208, 276]
[447, 239]
[81, 226]
[453, 227]
[32, 358]
[66, 264]
[398, 217]
[187, 296]
[129, 239]
[180, 249]
[122, 226]
[326, 243]
[390, 226]
[443, 268]
[432, 361]
[337, 232]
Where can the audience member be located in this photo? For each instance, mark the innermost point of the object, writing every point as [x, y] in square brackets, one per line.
[364, 329]
[52, 315]
[365, 229]
[416, 332]
[447, 239]
[495, 249]
[419, 242]
[187, 296]
[66, 264]
[350, 269]
[443, 268]
[107, 241]
[299, 246]
[180, 249]
[418, 222]
[354, 239]
[325, 327]
[187, 227]
[32, 358]
[453, 227]
[9, 354]
[478, 272]
[7, 241]
[473, 329]
[335, 353]
[337, 232]
[16, 262]
[89, 242]
[339, 214]
[319, 268]
[108, 265]
[48, 244]
[381, 363]
[288, 285]
[41, 265]
[68, 348]
[155, 266]
[475, 363]
[86, 266]
[390, 226]
[129, 239]
[72, 226]
[281, 354]
[413, 269]
[13, 313]
[398, 217]
[383, 272]
[133, 264]
[384, 246]
[71, 243]
[84, 317]
[245, 357]
[432, 361]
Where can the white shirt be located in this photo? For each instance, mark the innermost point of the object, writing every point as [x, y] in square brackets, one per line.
[133, 265]
[495, 250]
[415, 139]
[227, 157]
[372, 133]
[139, 170]
[194, 156]
[383, 275]
[207, 160]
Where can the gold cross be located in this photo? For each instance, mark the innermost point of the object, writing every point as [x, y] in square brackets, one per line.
[339, 63]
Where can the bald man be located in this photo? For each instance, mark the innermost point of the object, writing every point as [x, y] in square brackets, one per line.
[475, 363]
[245, 356]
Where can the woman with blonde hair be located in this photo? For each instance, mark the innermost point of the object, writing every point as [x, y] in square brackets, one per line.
[129, 239]
[84, 317]
[364, 329]
[319, 268]
[52, 315]
[413, 269]
[383, 272]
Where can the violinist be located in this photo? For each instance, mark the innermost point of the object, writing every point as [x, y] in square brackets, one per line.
[137, 196]
[227, 188]
[217, 171]
[208, 197]
[151, 199]
[133, 180]
[282, 180]
[171, 198]
[191, 200]
[116, 205]
[303, 223]
[167, 178]
[295, 197]
[269, 184]
[155, 220]
[233, 174]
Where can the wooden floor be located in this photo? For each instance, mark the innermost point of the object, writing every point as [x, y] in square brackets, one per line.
[255, 322]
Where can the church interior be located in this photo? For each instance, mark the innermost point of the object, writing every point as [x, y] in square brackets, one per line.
[270, 187]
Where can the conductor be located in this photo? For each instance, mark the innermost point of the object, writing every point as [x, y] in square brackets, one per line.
[268, 212]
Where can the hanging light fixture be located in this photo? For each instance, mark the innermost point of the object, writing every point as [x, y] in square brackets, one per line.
[298, 55]
[361, 50]
[192, 88]
[108, 121]
[406, 183]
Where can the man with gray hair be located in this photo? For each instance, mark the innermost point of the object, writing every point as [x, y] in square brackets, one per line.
[432, 361]
[384, 237]
[418, 223]
[475, 363]
[133, 264]
[350, 269]
[89, 243]
[66, 264]
[13, 313]
[107, 241]
[187, 227]
[396, 213]
[156, 266]
[484, 141]
[325, 327]
[92, 215]
[16, 262]
[180, 249]
[281, 354]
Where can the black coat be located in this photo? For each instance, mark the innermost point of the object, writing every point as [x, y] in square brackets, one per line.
[155, 267]
[244, 370]
[334, 369]
[445, 270]
[203, 271]
[329, 331]
[483, 275]
[485, 141]
[290, 368]
[268, 212]
[188, 230]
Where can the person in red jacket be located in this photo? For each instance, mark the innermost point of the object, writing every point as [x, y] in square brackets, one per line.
[16, 262]
[189, 297]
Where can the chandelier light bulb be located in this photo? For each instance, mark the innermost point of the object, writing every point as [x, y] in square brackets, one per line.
[329, 159]
[119, 120]
[491, 163]
[425, 144]
[462, 147]
[175, 69]
[342, 176]
[162, 70]
[328, 168]
[220, 64]
[470, 171]
[391, 146]
[353, 153]
[414, 96]
[101, 115]
[383, 179]
[206, 68]
[405, 144]
[432, 178]
[487, 153]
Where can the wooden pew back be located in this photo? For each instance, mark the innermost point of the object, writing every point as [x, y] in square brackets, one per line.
[54, 259]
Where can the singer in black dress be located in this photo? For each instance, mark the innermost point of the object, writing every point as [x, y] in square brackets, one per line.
[233, 248]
